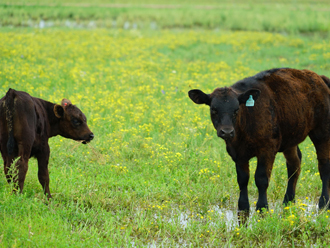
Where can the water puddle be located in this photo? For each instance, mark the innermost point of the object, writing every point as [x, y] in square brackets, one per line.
[230, 217]
[186, 218]
[87, 24]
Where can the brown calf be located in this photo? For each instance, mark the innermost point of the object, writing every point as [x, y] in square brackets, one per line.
[26, 124]
[289, 105]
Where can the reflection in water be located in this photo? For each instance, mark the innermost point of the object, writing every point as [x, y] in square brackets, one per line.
[86, 24]
[184, 218]
[229, 216]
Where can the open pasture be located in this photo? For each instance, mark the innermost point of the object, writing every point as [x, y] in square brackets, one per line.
[292, 16]
[155, 174]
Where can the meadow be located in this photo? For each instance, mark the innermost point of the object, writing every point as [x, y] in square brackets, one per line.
[296, 16]
[156, 175]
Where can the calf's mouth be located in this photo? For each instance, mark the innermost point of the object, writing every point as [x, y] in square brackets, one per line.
[90, 137]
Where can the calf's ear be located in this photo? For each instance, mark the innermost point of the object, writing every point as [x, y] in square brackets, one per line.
[199, 97]
[255, 93]
[58, 111]
[65, 102]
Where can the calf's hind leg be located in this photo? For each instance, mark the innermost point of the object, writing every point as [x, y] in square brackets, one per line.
[293, 164]
[16, 172]
[8, 163]
[24, 152]
[322, 152]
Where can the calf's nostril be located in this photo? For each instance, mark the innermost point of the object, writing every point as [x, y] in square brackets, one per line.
[225, 133]
[91, 136]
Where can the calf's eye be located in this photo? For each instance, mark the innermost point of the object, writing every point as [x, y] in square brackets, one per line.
[75, 122]
[214, 111]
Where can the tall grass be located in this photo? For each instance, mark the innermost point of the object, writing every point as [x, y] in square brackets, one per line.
[292, 17]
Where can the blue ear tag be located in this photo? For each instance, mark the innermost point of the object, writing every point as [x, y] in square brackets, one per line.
[249, 102]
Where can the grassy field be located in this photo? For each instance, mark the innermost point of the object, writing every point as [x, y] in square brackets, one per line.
[298, 16]
[156, 174]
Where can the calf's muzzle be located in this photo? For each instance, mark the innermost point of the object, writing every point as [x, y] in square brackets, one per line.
[226, 133]
[90, 137]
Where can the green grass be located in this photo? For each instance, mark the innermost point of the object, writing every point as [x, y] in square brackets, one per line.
[275, 16]
[156, 173]
[161, 2]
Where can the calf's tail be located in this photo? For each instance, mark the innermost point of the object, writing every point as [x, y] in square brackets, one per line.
[10, 97]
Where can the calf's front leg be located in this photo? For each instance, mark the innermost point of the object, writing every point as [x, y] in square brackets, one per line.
[262, 177]
[43, 174]
[243, 175]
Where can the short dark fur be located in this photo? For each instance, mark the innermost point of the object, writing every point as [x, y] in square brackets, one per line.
[289, 105]
[26, 124]
[9, 117]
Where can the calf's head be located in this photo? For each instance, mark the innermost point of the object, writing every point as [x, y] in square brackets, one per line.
[72, 122]
[224, 107]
